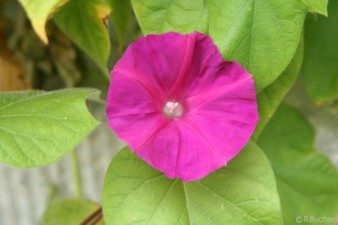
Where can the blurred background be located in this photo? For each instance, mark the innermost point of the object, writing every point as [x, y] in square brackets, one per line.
[27, 63]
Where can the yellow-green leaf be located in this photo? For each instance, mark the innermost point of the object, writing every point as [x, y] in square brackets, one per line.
[39, 11]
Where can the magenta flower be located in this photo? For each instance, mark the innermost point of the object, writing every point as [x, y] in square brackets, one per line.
[179, 106]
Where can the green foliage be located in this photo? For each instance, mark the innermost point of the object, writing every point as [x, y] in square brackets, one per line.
[244, 192]
[317, 6]
[121, 10]
[320, 69]
[39, 11]
[270, 97]
[37, 128]
[262, 35]
[307, 181]
[68, 212]
[83, 21]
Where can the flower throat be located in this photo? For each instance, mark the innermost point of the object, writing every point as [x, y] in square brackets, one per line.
[173, 110]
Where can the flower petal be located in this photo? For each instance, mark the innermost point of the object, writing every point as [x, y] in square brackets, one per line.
[197, 156]
[161, 150]
[227, 116]
[202, 72]
[157, 60]
[131, 110]
[180, 150]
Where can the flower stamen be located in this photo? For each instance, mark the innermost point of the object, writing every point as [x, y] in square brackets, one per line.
[173, 110]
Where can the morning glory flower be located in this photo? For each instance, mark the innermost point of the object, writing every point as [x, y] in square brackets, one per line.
[179, 106]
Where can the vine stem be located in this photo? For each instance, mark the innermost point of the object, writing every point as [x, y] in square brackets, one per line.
[77, 174]
[94, 218]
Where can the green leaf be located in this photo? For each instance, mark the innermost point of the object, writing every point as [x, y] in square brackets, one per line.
[262, 35]
[307, 181]
[83, 21]
[37, 128]
[120, 17]
[320, 69]
[38, 12]
[319, 6]
[68, 212]
[270, 97]
[243, 193]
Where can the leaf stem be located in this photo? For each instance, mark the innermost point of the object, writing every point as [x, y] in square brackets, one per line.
[107, 74]
[94, 218]
[77, 174]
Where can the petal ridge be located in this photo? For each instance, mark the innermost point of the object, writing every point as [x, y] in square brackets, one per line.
[186, 63]
[163, 123]
[144, 84]
[193, 127]
[199, 99]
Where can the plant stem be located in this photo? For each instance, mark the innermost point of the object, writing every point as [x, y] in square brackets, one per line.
[77, 174]
[94, 218]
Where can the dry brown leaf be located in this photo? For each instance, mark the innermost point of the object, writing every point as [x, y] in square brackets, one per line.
[12, 75]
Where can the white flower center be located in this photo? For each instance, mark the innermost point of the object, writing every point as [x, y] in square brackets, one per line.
[173, 110]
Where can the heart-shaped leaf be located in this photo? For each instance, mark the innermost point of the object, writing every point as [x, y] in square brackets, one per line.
[262, 35]
[37, 128]
[243, 193]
